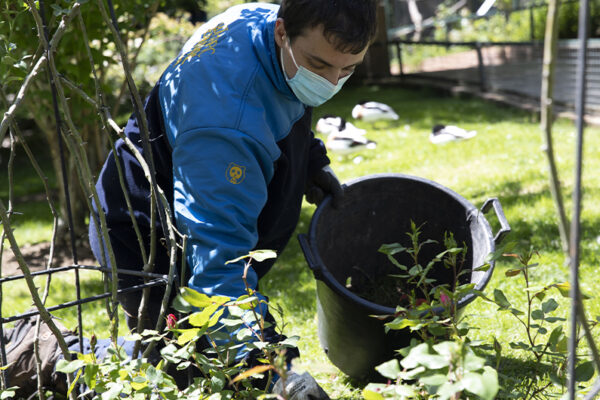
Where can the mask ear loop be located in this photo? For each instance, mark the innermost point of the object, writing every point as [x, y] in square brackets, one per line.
[289, 45]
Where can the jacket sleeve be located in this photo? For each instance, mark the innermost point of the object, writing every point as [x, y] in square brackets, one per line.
[220, 180]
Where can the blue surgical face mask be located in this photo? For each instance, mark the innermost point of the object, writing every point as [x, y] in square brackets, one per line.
[310, 88]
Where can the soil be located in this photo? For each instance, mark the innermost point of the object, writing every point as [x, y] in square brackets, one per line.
[384, 290]
[390, 291]
[36, 257]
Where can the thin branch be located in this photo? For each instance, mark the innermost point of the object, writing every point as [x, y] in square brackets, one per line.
[58, 34]
[588, 334]
[170, 230]
[149, 169]
[76, 147]
[546, 115]
[133, 61]
[79, 91]
[46, 317]
[101, 108]
[148, 263]
[9, 115]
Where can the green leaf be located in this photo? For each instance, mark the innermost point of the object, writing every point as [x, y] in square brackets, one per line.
[154, 375]
[447, 348]
[217, 382]
[258, 255]
[187, 335]
[69, 367]
[195, 298]
[8, 393]
[433, 361]
[391, 248]
[537, 314]
[484, 267]
[549, 306]
[501, 299]
[247, 302]
[90, 375]
[554, 338]
[584, 371]
[513, 272]
[563, 288]
[434, 380]
[371, 395]
[401, 323]
[412, 359]
[181, 305]
[113, 392]
[215, 318]
[542, 330]
[203, 317]
[485, 385]
[472, 362]
[389, 369]
[448, 390]
[540, 295]
[262, 255]
[8, 60]
[415, 270]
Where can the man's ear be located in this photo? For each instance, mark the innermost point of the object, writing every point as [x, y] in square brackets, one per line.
[279, 32]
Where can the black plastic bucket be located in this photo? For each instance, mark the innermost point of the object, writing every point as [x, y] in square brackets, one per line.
[344, 242]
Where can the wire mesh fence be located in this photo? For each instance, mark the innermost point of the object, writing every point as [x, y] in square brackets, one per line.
[66, 25]
[514, 68]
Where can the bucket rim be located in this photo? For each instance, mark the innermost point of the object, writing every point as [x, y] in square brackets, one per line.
[331, 282]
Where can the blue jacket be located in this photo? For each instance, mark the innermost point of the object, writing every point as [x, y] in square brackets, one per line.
[233, 150]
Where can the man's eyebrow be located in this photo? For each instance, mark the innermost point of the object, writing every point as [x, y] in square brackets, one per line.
[320, 60]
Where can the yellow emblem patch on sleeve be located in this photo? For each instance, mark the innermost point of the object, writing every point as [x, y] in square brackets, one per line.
[235, 173]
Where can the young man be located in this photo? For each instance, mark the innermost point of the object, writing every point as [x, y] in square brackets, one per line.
[230, 128]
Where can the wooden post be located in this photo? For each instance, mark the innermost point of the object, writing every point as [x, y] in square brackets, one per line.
[482, 78]
[377, 61]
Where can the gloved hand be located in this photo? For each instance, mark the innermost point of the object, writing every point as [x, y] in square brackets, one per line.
[323, 183]
[299, 387]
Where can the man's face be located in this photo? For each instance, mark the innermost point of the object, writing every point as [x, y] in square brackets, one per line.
[314, 52]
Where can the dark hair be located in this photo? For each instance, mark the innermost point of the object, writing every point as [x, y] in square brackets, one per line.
[349, 25]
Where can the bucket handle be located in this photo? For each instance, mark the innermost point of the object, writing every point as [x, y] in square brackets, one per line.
[504, 226]
[305, 246]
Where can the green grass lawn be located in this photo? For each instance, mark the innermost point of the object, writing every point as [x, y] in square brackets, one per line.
[504, 160]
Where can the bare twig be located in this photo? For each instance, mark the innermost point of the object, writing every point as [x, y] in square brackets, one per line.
[133, 61]
[76, 147]
[170, 231]
[8, 116]
[163, 207]
[58, 34]
[46, 317]
[546, 116]
[588, 333]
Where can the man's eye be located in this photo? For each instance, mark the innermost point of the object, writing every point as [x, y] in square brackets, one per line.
[318, 66]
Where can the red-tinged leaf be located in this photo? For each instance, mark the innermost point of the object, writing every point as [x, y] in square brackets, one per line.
[259, 369]
[512, 272]
[510, 255]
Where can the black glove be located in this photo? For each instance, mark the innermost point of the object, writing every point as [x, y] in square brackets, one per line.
[324, 183]
[299, 387]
